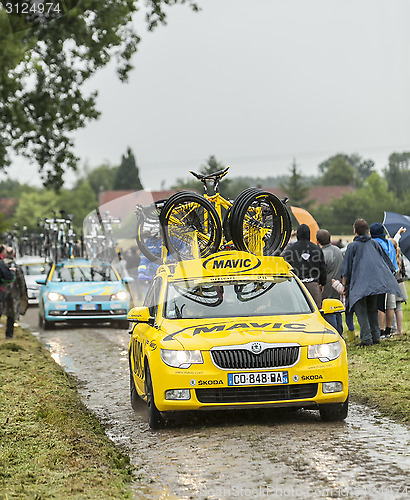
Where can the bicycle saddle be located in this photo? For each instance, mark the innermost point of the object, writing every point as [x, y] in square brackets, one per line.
[216, 176]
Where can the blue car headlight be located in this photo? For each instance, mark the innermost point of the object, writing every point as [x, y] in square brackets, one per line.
[55, 297]
[121, 295]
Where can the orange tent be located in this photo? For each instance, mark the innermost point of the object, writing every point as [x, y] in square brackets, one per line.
[304, 217]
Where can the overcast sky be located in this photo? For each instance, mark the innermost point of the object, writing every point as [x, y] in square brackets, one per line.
[258, 83]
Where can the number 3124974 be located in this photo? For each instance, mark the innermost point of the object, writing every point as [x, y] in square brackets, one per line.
[32, 8]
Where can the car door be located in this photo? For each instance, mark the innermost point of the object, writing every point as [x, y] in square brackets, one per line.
[143, 334]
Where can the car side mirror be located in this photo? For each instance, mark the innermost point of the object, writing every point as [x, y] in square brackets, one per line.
[41, 281]
[331, 306]
[140, 315]
[127, 279]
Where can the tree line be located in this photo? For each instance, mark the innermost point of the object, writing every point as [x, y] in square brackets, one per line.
[372, 193]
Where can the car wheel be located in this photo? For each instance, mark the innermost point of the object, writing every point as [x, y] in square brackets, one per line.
[133, 390]
[40, 321]
[334, 412]
[155, 419]
[122, 324]
[47, 325]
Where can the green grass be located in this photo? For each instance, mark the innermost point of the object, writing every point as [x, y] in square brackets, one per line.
[379, 375]
[51, 446]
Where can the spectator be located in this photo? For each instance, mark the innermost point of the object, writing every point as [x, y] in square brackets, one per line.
[366, 273]
[387, 302]
[333, 260]
[15, 297]
[308, 263]
[400, 280]
[6, 276]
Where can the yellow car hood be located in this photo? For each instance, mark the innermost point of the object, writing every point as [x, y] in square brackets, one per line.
[208, 333]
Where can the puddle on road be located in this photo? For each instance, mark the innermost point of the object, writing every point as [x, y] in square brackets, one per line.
[247, 454]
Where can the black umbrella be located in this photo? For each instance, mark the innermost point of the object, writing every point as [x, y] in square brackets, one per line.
[393, 222]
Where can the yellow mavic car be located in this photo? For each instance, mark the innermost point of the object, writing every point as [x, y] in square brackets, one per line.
[235, 331]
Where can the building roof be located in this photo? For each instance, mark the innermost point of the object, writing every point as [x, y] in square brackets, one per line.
[320, 195]
[121, 203]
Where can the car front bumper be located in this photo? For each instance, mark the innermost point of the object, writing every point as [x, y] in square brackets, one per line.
[66, 311]
[209, 388]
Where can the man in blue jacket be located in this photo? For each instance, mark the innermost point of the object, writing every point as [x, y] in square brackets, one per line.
[367, 272]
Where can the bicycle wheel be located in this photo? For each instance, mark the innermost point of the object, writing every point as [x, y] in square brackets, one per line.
[260, 221]
[148, 236]
[188, 219]
[226, 224]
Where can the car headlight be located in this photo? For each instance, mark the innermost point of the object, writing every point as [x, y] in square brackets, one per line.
[325, 352]
[54, 296]
[121, 295]
[181, 359]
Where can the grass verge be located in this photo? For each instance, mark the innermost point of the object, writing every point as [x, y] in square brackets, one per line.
[51, 446]
[379, 375]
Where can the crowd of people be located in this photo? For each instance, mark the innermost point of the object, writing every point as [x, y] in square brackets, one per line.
[368, 278]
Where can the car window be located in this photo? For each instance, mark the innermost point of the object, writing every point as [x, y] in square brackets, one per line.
[152, 298]
[35, 269]
[83, 273]
[278, 296]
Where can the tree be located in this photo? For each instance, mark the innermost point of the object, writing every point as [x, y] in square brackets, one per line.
[397, 174]
[42, 203]
[127, 174]
[363, 168]
[100, 178]
[295, 188]
[368, 202]
[339, 173]
[229, 188]
[44, 67]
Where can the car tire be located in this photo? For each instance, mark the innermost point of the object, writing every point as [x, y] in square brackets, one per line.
[40, 321]
[155, 419]
[334, 412]
[47, 325]
[133, 390]
[121, 324]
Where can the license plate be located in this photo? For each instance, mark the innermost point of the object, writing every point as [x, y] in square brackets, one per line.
[88, 307]
[258, 378]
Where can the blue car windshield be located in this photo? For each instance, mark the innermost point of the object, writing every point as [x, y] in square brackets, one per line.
[35, 269]
[188, 300]
[83, 273]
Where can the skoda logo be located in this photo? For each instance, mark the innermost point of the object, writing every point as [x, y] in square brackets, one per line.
[256, 348]
[88, 298]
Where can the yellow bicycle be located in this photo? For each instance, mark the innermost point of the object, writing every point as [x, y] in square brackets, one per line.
[197, 226]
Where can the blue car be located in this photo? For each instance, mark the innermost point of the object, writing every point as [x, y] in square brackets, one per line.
[81, 289]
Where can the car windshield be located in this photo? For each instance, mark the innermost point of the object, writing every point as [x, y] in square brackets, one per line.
[35, 269]
[83, 273]
[188, 300]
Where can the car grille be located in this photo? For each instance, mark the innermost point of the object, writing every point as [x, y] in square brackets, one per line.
[115, 312]
[256, 394]
[242, 359]
[81, 298]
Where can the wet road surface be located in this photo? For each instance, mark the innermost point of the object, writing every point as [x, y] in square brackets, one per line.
[252, 454]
